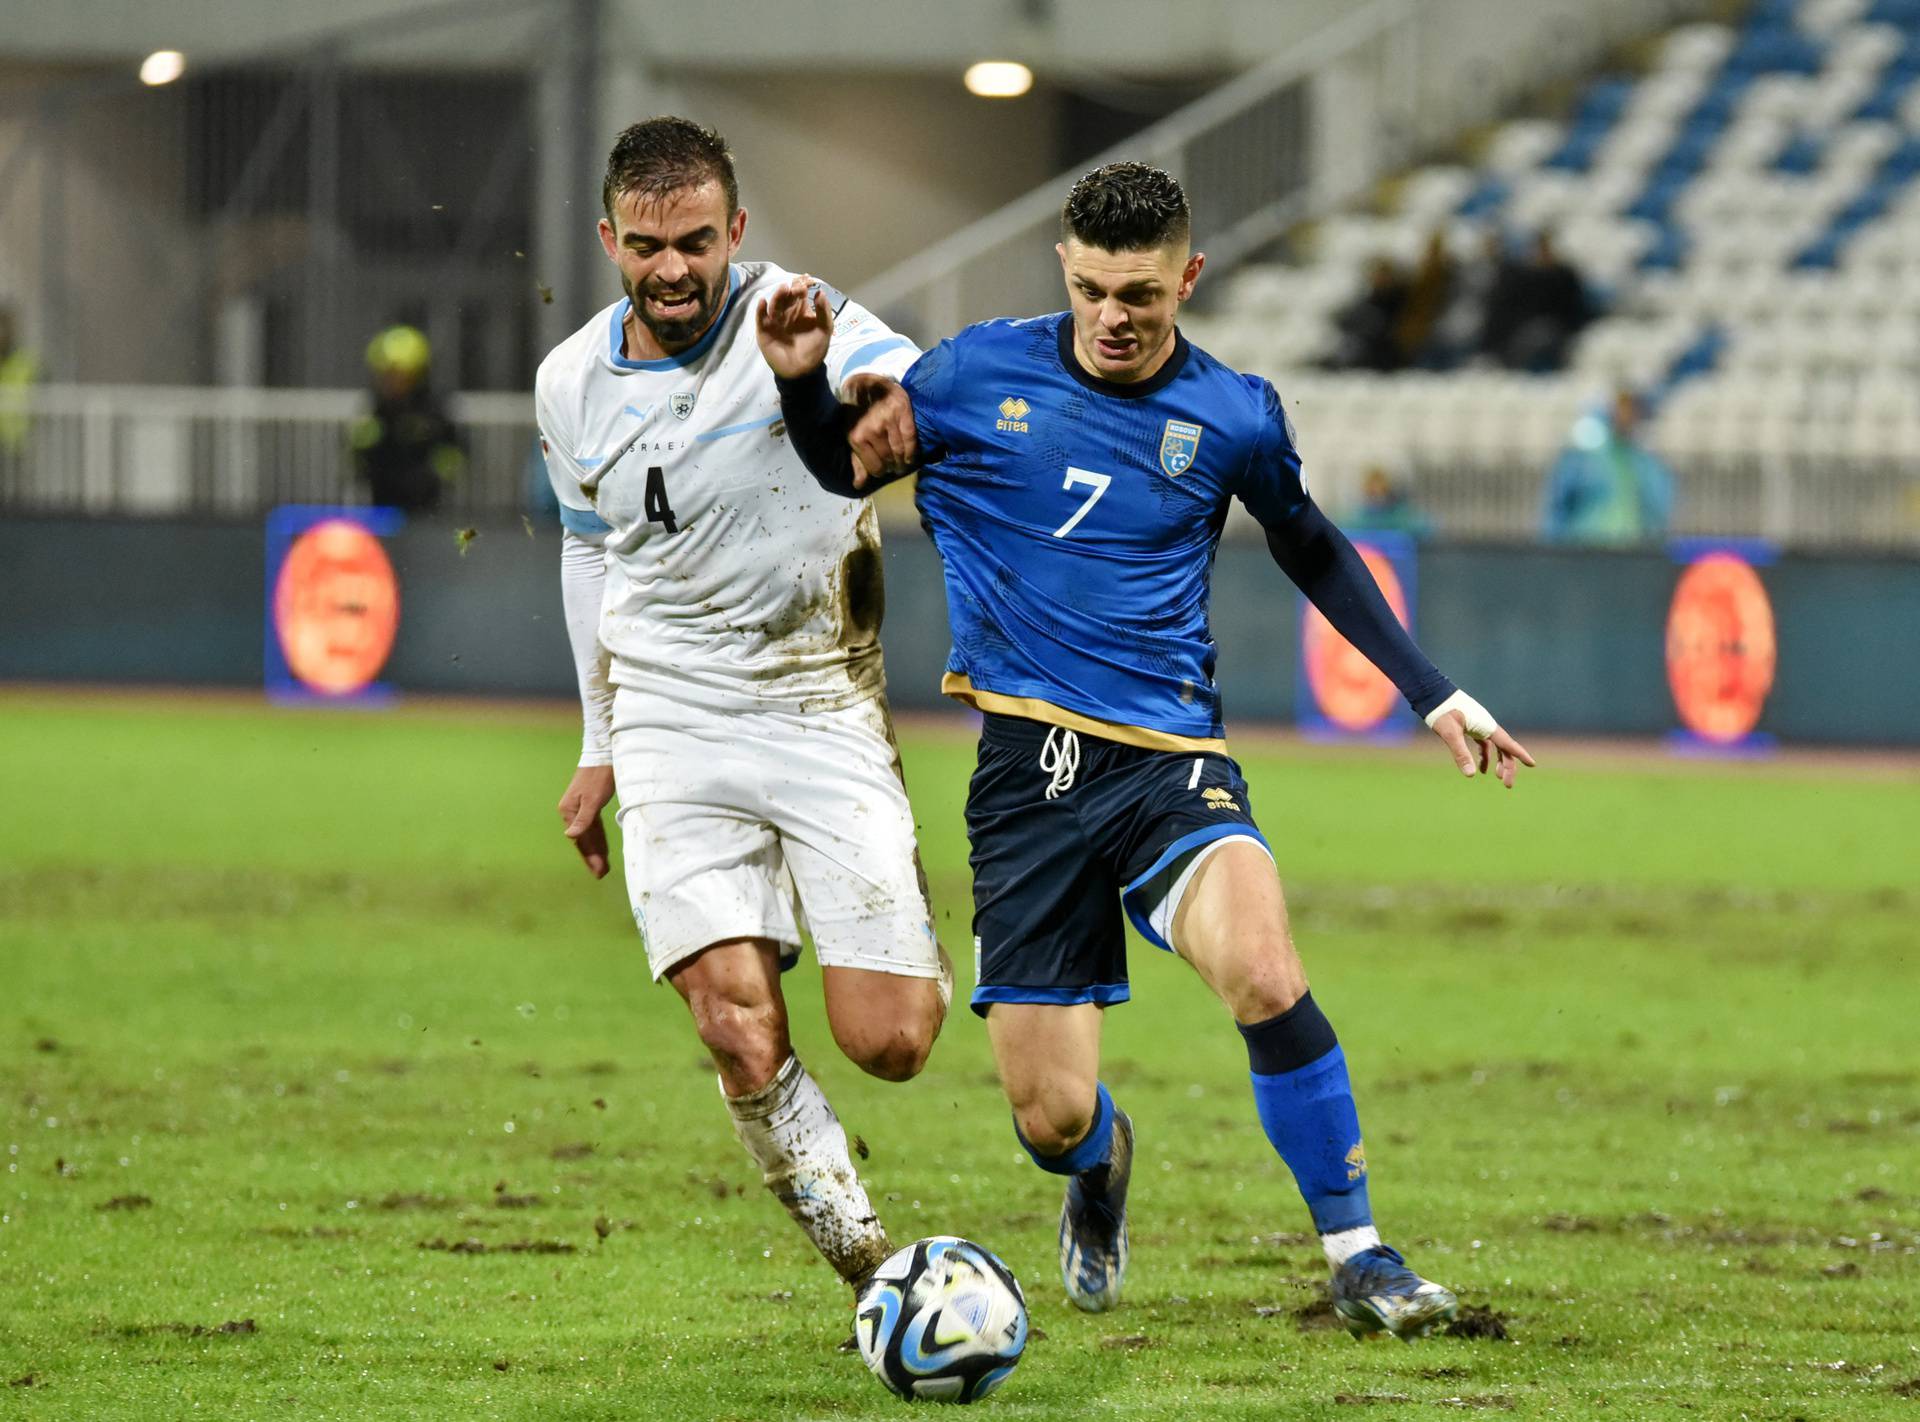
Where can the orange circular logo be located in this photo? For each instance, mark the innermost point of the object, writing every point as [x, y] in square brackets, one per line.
[1350, 691]
[1720, 648]
[336, 607]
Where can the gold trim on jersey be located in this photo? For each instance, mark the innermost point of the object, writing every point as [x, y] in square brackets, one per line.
[961, 688]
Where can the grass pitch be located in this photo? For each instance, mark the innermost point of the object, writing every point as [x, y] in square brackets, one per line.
[330, 1087]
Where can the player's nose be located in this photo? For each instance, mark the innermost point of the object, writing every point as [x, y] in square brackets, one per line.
[672, 267]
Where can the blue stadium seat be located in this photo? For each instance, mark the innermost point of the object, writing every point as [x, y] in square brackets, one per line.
[1487, 197]
[1801, 155]
[1775, 51]
[1669, 251]
[1904, 13]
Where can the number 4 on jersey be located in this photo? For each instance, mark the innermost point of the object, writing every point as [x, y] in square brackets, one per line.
[658, 509]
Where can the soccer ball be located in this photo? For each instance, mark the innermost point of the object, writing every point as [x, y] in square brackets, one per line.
[942, 1320]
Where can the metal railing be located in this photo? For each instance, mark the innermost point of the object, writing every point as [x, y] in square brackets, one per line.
[167, 451]
[188, 450]
[1800, 500]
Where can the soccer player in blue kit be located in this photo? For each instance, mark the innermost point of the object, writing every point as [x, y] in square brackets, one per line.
[1075, 473]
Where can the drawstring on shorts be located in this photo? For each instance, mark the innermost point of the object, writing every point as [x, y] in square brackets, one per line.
[1060, 758]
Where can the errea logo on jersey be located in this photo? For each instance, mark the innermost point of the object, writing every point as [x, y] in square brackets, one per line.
[1013, 415]
[1219, 799]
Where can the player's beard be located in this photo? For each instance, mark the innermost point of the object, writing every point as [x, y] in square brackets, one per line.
[681, 331]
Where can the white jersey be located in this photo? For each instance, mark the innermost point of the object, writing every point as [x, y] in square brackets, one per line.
[733, 580]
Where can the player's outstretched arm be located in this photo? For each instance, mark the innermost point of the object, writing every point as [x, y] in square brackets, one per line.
[847, 448]
[1323, 564]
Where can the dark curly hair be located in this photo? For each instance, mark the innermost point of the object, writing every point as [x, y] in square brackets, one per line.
[1126, 207]
[659, 156]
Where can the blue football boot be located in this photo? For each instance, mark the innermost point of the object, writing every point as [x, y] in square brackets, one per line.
[1376, 1290]
[1093, 1227]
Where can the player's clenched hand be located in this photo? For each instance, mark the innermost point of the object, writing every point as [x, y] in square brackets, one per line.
[587, 795]
[883, 438]
[1475, 738]
[794, 325]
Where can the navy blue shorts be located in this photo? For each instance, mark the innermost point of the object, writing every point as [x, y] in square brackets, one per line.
[1052, 876]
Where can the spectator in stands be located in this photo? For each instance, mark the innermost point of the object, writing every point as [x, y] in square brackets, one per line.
[18, 371]
[1535, 310]
[1386, 507]
[1606, 488]
[1459, 331]
[1369, 323]
[407, 449]
[1428, 295]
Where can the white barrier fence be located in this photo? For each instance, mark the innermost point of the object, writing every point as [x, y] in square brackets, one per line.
[180, 451]
[176, 450]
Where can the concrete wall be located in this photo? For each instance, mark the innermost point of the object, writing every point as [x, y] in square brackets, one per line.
[1554, 640]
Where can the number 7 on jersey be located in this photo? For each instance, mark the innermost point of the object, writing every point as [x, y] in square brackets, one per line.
[1083, 476]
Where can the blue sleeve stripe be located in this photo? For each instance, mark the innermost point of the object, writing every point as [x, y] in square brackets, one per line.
[872, 351]
[583, 521]
[742, 428]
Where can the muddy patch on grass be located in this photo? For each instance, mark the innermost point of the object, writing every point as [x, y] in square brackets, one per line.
[1130, 1342]
[512, 1246]
[506, 1199]
[1570, 1224]
[312, 1232]
[1371, 1399]
[413, 1200]
[25, 1380]
[1441, 1374]
[1478, 1323]
[1489, 1402]
[1909, 1388]
[231, 1327]
[572, 1150]
[126, 1202]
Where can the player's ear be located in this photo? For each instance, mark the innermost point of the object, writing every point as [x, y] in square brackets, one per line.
[609, 240]
[1192, 274]
[736, 229]
[1061, 248]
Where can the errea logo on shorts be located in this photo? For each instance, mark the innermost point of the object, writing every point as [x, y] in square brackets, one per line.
[1013, 415]
[1219, 799]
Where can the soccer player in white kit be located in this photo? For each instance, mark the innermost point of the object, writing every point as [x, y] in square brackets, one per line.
[724, 617]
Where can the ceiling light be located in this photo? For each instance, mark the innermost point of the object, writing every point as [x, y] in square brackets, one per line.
[163, 66]
[998, 79]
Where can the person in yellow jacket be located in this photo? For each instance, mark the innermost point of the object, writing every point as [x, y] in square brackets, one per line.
[406, 449]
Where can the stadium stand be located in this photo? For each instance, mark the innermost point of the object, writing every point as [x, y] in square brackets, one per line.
[1745, 213]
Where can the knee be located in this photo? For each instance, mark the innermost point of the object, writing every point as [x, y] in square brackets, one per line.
[749, 1040]
[1270, 983]
[1054, 1124]
[900, 1058]
[894, 1047]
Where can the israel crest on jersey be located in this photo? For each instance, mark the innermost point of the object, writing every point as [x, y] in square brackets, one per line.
[1178, 445]
[681, 403]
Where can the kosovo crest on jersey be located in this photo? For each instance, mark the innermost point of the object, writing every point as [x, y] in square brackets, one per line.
[681, 403]
[1178, 445]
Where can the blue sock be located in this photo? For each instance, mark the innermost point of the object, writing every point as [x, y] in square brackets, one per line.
[1092, 1149]
[1305, 1101]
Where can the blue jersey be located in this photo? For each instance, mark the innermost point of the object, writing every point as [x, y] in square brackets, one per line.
[1077, 519]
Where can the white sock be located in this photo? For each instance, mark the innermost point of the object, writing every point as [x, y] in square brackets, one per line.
[1342, 1245]
[796, 1140]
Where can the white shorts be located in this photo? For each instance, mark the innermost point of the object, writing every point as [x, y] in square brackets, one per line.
[747, 824]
